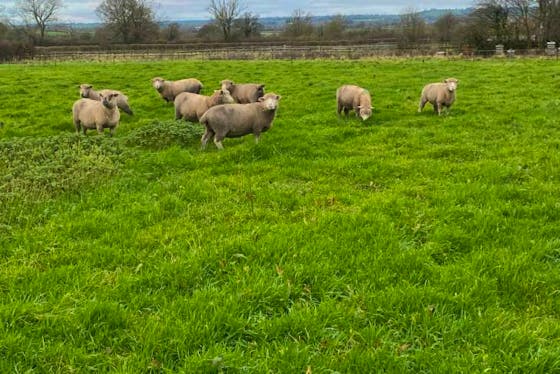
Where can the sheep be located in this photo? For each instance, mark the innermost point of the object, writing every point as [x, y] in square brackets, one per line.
[439, 95]
[235, 120]
[87, 92]
[243, 93]
[168, 90]
[93, 114]
[191, 106]
[350, 97]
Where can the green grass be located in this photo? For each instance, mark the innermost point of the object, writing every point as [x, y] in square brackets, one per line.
[408, 243]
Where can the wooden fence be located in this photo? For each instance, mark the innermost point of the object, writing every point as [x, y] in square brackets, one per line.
[260, 52]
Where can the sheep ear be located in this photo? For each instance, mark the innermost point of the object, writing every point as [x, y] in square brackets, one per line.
[278, 97]
[359, 107]
[260, 98]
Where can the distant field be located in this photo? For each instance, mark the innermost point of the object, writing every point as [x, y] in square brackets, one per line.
[408, 243]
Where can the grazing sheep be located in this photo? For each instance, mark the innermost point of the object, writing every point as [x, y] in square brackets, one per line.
[191, 106]
[439, 95]
[168, 90]
[243, 93]
[93, 114]
[350, 97]
[233, 121]
[87, 92]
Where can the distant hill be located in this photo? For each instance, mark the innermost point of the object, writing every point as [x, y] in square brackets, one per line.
[430, 15]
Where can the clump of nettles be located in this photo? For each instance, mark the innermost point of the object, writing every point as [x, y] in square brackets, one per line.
[162, 134]
[41, 167]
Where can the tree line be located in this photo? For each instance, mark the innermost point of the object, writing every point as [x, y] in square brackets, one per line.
[513, 23]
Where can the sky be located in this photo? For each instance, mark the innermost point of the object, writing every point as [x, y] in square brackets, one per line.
[172, 10]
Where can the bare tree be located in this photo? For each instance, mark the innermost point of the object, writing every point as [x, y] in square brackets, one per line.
[299, 25]
[412, 27]
[522, 12]
[224, 13]
[40, 12]
[335, 27]
[444, 27]
[248, 24]
[131, 21]
[548, 19]
[495, 15]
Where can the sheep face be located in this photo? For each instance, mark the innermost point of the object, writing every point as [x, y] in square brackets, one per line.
[158, 83]
[364, 112]
[84, 90]
[451, 84]
[269, 101]
[227, 85]
[225, 97]
[110, 101]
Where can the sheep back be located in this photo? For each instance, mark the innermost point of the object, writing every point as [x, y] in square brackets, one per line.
[351, 97]
[243, 93]
[93, 114]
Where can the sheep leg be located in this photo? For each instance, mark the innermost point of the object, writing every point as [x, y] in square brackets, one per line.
[218, 140]
[437, 108]
[423, 102]
[208, 134]
[77, 126]
[218, 143]
[339, 109]
[257, 137]
[346, 111]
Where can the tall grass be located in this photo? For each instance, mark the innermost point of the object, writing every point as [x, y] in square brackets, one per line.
[406, 243]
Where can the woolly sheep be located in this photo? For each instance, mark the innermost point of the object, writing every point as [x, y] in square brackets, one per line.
[243, 93]
[350, 97]
[87, 92]
[235, 120]
[439, 95]
[168, 90]
[93, 114]
[191, 106]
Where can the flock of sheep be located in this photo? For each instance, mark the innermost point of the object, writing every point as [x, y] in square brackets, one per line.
[232, 111]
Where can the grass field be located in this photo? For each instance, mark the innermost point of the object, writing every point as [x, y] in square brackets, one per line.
[408, 243]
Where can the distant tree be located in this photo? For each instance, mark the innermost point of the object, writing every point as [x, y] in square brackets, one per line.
[335, 27]
[523, 15]
[548, 20]
[299, 25]
[209, 32]
[444, 27]
[412, 27]
[172, 32]
[224, 13]
[130, 21]
[493, 15]
[248, 25]
[38, 12]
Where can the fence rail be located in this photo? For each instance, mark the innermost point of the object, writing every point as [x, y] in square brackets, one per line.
[254, 52]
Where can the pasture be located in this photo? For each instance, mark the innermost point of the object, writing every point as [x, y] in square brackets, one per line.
[406, 243]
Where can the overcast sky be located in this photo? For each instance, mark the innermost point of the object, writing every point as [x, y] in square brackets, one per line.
[170, 10]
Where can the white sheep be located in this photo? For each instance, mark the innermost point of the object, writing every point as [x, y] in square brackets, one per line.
[93, 114]
[439, 95]
[168, 90]
[235, 120]
[87, 92]
[350, 97]
[243, 93]
[191, 106]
